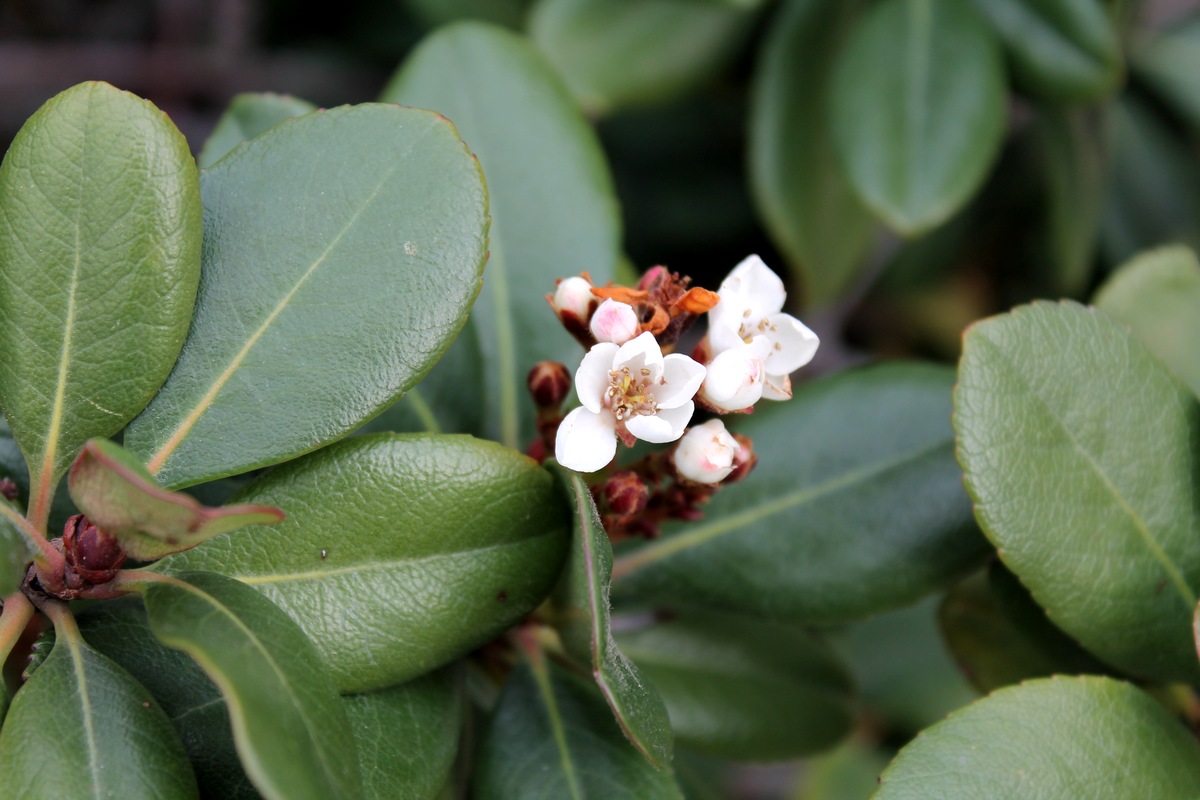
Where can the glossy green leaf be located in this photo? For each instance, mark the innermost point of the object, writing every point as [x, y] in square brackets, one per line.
[399, 552]
[1157, 295]
[100, 253]
[999, 636]
[1047, 740]
[744, 689]
[122, 499]
[553, 209]
[288, 722]
[82, 727]
[1065, 50]
[904, 673]
[582, 616]
[553, 736]
[618, 53]
[849, 773]
[12, 466]
[1080, 452]
[191, 701]
[856, 506]
[407, 736]
[1153, 192]
[378, 220]
[805, 200]
[247, 116]
[1169, 62]
[1073, 164]
[918, 109]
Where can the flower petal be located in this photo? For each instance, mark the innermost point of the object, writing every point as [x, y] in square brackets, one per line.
[680, 380]
[734, 379]
[586, 441]
[792, 344]
[723, 333]
[706, 453]
[614, 322]
[761, 291]
[591, 379]
[665, 426]
[777, 387]
[642, 351]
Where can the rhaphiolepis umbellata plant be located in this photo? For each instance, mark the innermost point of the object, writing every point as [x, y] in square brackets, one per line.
[248, 548]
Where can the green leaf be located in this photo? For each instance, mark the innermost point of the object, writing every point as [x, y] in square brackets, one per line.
[856, 506]
[1169, 61]
[904, 674]
[82, 727]
[1079, 450]
[122, 499]
[247, 116]
[1157, 295]
[12, 466]
[918, 109]
[999, 636]
[377, 223]
[619, 53]
[582, 616]
[191, 701]
[1062, 50]
[553, 736]
[100, 253]
[554, 212]
[1153, 192]
[400, 552]
[288, 723]
[407, 736]
[1047, 740]
[15, 555]
[1073, 165]
[744, 689]
[849, 773]
[805, 200]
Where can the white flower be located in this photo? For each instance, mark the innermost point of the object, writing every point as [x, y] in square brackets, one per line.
[736, 377]
[614, 322]
[574, 295]
[751, 306]
[706, 453]
[630, 390]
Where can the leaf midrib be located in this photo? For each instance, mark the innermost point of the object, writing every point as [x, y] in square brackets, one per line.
[542, 679]
[85, 703]
[1143, 530]
[720, 527]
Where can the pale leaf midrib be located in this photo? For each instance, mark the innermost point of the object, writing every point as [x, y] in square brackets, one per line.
[1139, 525]
[85, 703]
[542, 680]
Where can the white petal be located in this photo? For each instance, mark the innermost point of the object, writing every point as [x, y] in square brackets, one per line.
[722, 337]
[574, 295]
[614, 321]
[761, 290]
[777, 387]
[706, 453]
[734, 379]
[591, 379]
[642, 351]
[665, 426]
[792, 344]
[586, 442]
[681, 378]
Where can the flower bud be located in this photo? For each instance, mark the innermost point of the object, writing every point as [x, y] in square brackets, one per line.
[614, 322]
[90, 552]
[625, 494]
[574, 296]
[548, 382]
[745, 459]
[706, 453]
[9, 490]
[734, 380]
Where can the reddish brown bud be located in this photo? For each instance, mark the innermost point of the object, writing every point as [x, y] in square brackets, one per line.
[625, 494]
[91, 553]
[8, 489]
[743, 461]
[549, 382]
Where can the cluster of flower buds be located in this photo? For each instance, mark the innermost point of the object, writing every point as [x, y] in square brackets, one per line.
[631, 386]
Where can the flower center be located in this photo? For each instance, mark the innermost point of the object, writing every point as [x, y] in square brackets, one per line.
[749, 330]
[629, 394]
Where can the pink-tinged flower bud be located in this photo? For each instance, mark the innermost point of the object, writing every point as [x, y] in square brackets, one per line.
[549, 382]
[614, 322]
[653, 278]
[706, 453]
[574, 296]
[90, 552]
[626, 494]
[734, 380]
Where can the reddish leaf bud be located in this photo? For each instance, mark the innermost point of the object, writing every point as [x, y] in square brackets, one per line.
[549, 382]
[626, 494]
[90, 552]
